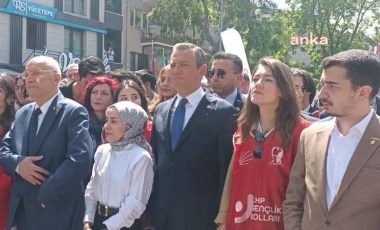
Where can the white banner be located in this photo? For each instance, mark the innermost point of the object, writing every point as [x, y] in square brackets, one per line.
[233, 43]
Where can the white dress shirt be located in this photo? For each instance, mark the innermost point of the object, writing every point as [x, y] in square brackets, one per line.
[44, 109]
[340, 150]
[193, 102]
[120, 179]
[232, 97]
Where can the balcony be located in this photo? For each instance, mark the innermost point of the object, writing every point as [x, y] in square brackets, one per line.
[153, 37]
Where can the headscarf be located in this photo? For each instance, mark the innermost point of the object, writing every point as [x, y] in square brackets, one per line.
[134, 119]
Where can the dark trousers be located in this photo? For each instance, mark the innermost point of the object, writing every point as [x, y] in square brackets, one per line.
[98, 223]
[20, 216]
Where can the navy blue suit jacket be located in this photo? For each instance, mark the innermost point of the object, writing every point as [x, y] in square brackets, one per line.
[189, 180]
[64, 141]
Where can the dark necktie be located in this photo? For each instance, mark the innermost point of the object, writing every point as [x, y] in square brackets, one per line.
[33, 126]
[177, 123]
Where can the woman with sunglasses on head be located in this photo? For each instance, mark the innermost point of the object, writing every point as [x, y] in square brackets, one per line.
[165, 89]
[122, 175]
[265, 146]
[7, 116]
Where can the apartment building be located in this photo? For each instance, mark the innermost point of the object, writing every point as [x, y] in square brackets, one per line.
[70, 30]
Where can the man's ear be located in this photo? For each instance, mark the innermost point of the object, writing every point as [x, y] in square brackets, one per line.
[203, 69]
[57, 77]
[239, 77]
[364, 92]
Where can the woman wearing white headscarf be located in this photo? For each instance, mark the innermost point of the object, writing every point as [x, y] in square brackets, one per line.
[122, 175]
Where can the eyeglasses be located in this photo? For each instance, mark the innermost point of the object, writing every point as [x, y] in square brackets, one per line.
[220, 73]
[259, 137]
[35, 73]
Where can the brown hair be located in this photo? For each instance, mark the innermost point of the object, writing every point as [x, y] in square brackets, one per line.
[287, 113]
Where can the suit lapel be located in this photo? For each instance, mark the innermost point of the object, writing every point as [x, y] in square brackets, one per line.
[238, 104]
[321, 146]
[47, 123]
[366, 147]
[203, 110]
[25, 141]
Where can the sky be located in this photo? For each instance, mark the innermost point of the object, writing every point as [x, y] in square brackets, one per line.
[281, 4]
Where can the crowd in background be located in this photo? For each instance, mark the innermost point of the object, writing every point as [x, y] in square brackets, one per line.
[191, 148]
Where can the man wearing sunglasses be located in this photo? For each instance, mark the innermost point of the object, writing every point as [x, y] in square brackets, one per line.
[225, 75]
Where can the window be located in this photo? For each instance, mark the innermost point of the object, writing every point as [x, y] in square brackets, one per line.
[35, 34]
[145, 22]
[113, 6]
[112, 42]
[74, 42]
[132, 18]
[139, 61]
[139, 20]
[75, 7]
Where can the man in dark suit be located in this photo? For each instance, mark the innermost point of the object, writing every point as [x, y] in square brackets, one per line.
[191, 158]
[225, 75]
[47, 154]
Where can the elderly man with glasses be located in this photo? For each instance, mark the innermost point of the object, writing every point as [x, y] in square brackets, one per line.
[46, 152]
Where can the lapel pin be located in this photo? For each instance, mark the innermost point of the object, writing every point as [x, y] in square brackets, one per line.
[374, 139]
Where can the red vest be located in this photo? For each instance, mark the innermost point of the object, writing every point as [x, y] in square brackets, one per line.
[5, 187]
[259, 185]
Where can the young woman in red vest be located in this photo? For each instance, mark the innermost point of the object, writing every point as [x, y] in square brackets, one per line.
[265, 147]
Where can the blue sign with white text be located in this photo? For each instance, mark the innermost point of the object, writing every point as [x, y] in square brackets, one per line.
[44, 13]
[31, 9]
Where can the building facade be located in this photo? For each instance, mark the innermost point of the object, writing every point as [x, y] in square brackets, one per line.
[116, 31]
[63, 29]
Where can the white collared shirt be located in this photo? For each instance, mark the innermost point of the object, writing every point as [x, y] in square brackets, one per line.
[120, 179]
[193, 101]
[340, 150]
[232, 97]
[44, 109]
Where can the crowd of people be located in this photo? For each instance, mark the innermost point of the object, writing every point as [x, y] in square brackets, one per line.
[194, 148]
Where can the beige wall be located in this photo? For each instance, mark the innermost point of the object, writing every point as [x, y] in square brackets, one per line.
[4, 37]
[48, 3]
[90, 43]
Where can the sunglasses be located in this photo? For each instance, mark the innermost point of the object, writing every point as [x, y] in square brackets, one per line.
[259, 137]
[219, 73]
